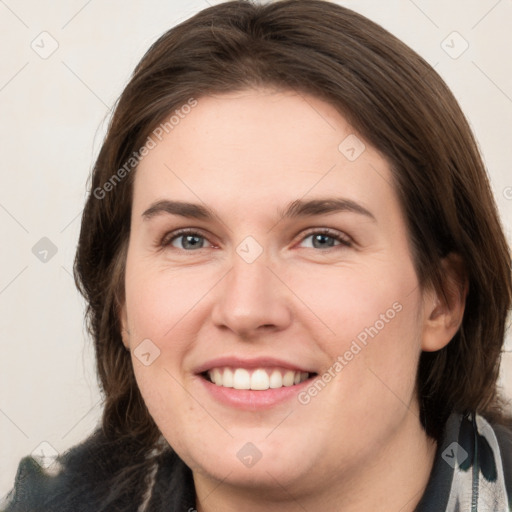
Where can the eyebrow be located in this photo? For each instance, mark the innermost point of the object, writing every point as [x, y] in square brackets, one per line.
[297, 208]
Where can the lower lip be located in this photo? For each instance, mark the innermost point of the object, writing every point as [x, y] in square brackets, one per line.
[249, 399]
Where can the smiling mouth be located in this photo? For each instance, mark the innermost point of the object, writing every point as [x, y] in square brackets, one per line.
[257, 379]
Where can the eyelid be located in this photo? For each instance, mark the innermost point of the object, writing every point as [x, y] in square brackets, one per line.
[173, 235]
[340, 236]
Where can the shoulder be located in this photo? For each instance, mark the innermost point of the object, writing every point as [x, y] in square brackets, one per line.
[96, 475]
[504, 438]
[473, 464]
[487, 460]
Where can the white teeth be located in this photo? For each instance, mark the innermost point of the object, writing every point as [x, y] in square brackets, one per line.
[241, 379]
[259, 380]
[217, 377]
[276, 379]
[288, 378]
[227, 378]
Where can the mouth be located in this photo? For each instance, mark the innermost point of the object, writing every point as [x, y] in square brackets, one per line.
[253, 383]
[256, 379]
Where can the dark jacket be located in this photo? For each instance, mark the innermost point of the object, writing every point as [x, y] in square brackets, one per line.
[472, 472]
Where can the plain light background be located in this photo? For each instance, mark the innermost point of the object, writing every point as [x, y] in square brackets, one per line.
[53, 111]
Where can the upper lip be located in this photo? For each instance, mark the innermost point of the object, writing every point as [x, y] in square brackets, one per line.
[258, 362]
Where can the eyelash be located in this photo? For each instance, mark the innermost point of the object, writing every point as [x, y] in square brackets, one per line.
[344, 240]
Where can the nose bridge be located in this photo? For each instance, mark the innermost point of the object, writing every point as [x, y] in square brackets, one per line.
[251, 296]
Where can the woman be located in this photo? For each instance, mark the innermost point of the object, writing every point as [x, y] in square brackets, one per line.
[297, 281]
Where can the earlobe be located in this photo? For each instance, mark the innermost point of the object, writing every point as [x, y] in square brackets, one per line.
[125, 333]
[444, 312]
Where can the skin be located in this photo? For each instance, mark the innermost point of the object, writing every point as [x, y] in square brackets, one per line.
[356, 446]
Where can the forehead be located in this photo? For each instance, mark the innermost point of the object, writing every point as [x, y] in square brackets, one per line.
[255, 147]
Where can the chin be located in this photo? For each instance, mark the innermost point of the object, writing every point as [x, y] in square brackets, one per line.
[250, 464]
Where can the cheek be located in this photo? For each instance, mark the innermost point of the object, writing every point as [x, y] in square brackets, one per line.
[160, 301]
[345, 303]
[163, 310]
[368, 323]
[165, 401]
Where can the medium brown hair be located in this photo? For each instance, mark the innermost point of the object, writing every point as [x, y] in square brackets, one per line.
[393, 98]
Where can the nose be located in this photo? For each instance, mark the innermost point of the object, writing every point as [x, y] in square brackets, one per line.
[252, 299]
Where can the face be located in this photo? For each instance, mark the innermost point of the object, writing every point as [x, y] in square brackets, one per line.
[292, 288]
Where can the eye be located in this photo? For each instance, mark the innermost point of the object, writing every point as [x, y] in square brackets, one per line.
[326, 238]
[187, 240]
[191, 240]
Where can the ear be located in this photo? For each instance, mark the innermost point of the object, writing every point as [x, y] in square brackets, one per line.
[123, 322]
[443, 314]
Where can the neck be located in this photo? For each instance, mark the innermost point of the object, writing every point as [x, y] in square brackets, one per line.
[394, 479]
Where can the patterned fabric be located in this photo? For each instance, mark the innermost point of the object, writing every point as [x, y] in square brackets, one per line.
[473, 468]
[472, 472]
